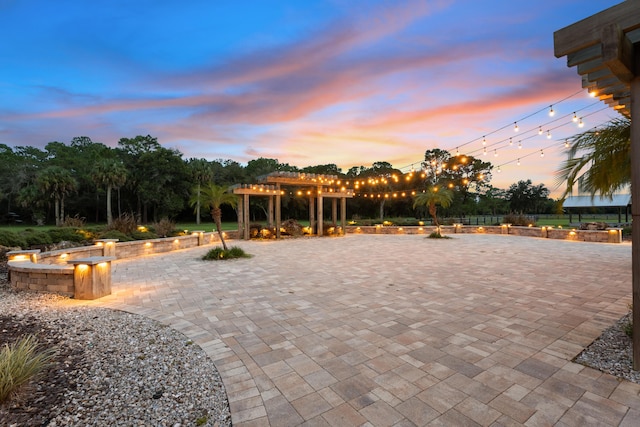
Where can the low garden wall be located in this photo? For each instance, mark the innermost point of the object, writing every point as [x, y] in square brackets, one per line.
[611, 235]
[84, 272]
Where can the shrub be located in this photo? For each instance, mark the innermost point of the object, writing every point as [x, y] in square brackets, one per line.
[11, 239]
[69, 234]
[19, 363]
[143, 235]
[437, 235]
[164, 227]
[126, 224]
[76, 221]
[627, 326]
[38, 238]
[218, 253]
[292, 227]
[521, 220]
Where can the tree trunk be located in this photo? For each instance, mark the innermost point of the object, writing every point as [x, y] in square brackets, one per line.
[56, 211]
[198, 206]
[216, 213]
[61, 210]
[432, 212]
[382, 209]
[119, 209]
[109, 214]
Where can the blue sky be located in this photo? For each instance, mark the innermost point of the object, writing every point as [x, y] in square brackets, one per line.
[349, 82]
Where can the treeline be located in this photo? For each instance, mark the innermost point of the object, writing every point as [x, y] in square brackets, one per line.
[141, 177]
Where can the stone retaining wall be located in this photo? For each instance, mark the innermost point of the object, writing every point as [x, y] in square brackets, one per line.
[42, 277]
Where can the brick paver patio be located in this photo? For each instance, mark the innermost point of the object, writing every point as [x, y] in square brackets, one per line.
[390, 330]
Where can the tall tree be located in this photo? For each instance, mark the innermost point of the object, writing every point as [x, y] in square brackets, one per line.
[599, 160]
[201, 172]
[111, 174]
[524, 197]
[58, 183]
[215, 196]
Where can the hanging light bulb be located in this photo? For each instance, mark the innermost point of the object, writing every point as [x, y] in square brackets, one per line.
[510, 141]
[540, 130]
[518, 162]
[575, 117]
[541, 153]
[484, 151]
[548, 134]
[515, 127]
[499, 169]
[519, 145]
[495, 153]
[592, 93]
[457, 152]
[566, 143]
[580, 123]
[484, 141]
[551, 111]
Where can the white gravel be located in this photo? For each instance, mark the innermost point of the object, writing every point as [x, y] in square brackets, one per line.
[128, 370]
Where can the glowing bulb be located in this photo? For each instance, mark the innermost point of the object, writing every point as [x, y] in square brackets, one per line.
[541, 153]
[484, 141]
[510, 141]
[515, 127]
[518, 162]
[580, 123]
[551, 112]
[484, 152]
[495, 153]
[566, 143]
[575, 117]
[520, 145]
[548, 134]
[592, 93]
[457, 151]
[499, 169]
[540, 130]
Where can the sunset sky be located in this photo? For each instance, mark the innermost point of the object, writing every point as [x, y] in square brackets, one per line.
[306, 82]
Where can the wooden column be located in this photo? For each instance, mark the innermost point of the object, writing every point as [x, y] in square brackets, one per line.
[278, 211]
[240, 213]
[320, 213]
[312, 214]
[246, 218]
[343, 214]
[635, 215]
[270, 212]
[334, 211]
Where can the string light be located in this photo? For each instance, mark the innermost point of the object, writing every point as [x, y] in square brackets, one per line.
[592, 93]
[566, 143]
[519, 145]
[580, 123]
[484, 151]
[541, 153]
[575, 117]
[499, 169]
[540, 130]
[484, 141]
[518, 162]
[495, 153]
[510, 141]
[548, 134]
[515, 127]
[551, 112]
[457, 152]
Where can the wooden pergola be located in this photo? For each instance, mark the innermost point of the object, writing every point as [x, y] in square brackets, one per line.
[320, 187]
[606, 49]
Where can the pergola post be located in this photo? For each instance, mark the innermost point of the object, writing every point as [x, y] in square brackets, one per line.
[240, 213]
[343, 214]
[312, 214]
[246, 219]
[270, 212]
[635, 216]
[320, 213]
[334, 211]
[278, 210]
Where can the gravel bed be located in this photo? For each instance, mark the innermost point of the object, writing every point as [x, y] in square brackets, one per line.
[112, 368]
[612, 352]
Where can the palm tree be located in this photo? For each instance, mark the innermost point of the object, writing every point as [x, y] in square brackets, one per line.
[432, 197]
[112, 174]
[58, 183]
[215, 196]
[201, 172]
[599, 160]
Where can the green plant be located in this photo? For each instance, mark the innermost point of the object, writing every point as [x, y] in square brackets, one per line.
[11, 239]
[201, 420]
[437, 235]
[519, 220]
[75, 221]
[143, 235]
[34, 238]
[20, 362]
[218, 253]
[69, 234]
